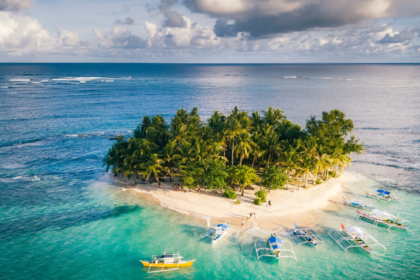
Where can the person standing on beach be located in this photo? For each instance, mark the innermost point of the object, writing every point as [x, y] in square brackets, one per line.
[243, 222]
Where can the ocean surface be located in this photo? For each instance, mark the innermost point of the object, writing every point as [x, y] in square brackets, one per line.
[61, 218]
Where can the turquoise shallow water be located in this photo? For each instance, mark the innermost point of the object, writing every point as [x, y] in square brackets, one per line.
[60, 218]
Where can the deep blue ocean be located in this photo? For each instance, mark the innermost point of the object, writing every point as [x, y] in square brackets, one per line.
[61, 218]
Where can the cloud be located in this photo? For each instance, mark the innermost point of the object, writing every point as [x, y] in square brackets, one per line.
[14, 5]
[120, 38]
[192, 36]
[264, 18]
[127, 21]
[405, 35]
[172, 18]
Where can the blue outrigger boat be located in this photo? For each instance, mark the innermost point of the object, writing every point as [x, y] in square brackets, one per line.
[274, 247]
[216, 233]
[383, 195]
[304, 235]
[356, 203]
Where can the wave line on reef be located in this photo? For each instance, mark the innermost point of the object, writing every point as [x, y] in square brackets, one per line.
[173, 208]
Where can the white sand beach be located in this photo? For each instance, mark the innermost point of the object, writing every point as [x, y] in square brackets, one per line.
[287, 206]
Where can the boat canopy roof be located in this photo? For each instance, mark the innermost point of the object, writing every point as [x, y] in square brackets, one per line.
[222, 226]
[274, 239]
[275, 247]
[165, 256]
[358, 201]
[382, 192]
[381, 213]
[355, 230]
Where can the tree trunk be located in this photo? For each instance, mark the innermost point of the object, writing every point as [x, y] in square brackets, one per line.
[269, 156]
[135, 179]
[298, 184]
[233, 139]
[306, 181]
[243, 190]
[240, 162]
[253, 162]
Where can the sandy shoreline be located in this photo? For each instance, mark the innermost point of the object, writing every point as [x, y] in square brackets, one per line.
[287, 206]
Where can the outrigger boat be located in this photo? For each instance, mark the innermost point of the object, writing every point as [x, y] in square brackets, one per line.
[305, 234]
[166, 262]
[383, 195]
[383, 218]
[216, 233]
[353, 237]
[356, 203]
[274, 247]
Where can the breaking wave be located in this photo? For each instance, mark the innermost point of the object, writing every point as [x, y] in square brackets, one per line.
[174, 209]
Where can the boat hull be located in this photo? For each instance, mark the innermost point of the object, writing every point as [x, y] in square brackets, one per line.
[371, 195]
[382, 222]
[168, 265]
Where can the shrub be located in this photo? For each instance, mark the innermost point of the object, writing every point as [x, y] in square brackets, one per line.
[229, 193]
[238, 201]
[257, 201]
[262, 195]
[332, 173]
[318, 181]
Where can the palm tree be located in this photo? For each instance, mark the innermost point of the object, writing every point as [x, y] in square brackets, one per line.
[243, 176]
[243, 146]
[273, 116]
[271, 145]
[151, 166]
[232, 129]
[291, 160]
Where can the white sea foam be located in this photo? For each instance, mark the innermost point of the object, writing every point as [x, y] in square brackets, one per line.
[11, 166]
[20, 80]
[44, 81]
[172, 208]
[27, 178]
[82, 79]
[252, 228]
[4, 87]
[205, 218]
[35, 82]
[71, 135]
[290, 77]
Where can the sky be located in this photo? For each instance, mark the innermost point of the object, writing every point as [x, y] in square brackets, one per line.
[210, 31]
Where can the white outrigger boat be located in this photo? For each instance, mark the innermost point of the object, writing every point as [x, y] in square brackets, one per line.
[274, 247]
[356, 203]
[354, 237]
[379, 217]
[216, 233]
[305, 234]
[383, 195]
[166, 262]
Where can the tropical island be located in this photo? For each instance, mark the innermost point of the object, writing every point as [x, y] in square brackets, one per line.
[227, 161]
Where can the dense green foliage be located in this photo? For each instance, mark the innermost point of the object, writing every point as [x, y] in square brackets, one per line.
[273, 178]
[229, 193]
[237, 149]
[262, 195]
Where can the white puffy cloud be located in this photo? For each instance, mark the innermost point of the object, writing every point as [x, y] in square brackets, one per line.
[192, 36]
[22, 34]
